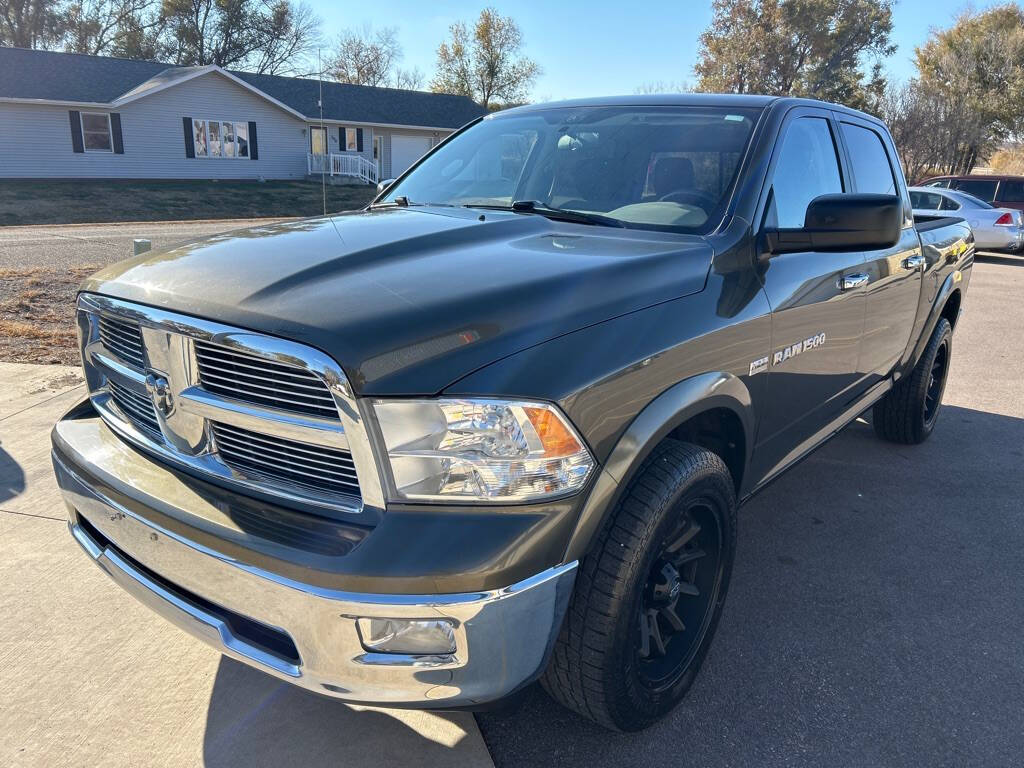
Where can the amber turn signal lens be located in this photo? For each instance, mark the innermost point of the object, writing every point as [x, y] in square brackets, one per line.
[557, 440]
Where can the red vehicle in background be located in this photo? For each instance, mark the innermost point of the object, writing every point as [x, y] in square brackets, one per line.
[1002, 191]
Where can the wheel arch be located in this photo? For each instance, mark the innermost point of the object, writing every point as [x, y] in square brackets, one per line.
[947, 304]
[684, 411]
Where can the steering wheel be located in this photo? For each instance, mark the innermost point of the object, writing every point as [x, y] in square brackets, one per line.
[689, 197]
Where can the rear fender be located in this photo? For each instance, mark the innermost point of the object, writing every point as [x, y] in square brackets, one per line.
[676, 405]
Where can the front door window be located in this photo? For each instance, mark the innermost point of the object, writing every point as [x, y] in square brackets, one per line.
[318, 141]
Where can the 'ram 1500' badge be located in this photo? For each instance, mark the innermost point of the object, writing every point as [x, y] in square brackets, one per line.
[784, 354]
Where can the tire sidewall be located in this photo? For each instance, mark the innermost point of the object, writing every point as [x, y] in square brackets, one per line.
[638, 705]
[943, 333]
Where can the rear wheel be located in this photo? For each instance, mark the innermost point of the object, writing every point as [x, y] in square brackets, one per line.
[648, 598]
[908, 413]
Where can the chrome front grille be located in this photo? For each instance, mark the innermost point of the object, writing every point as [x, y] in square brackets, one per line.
[233, 374]
[317, 467]
[122, 339]
[136, 408]
[254, 411]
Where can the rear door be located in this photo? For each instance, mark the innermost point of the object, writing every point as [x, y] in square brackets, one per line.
[817, 298]
[894, 274]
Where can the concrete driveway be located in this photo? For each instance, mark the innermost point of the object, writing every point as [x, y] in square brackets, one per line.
[88, 677]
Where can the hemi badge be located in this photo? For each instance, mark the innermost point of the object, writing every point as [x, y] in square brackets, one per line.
[759, 365]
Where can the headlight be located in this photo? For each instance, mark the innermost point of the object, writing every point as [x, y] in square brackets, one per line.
[480, 450]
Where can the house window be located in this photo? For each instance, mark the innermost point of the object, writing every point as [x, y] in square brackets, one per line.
[199, 137]
[96, 132]
[242, 139]
[351, 141]
[220, 138]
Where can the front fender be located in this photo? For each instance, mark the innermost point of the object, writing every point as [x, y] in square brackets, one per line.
[673, 407]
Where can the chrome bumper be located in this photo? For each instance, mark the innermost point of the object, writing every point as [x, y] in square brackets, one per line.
[503, 637]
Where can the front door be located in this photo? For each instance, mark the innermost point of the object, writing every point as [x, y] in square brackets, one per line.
[378, 156]
[817, 299]
[894, 274]
[318, 141]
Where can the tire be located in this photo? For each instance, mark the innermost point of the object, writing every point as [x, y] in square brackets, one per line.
[909, 411]
[607, 664]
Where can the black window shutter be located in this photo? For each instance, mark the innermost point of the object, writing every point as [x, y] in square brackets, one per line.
[359, 139]
[343, 147]
[254, 147]
[76, 131]
[115, 130]
[190, 142]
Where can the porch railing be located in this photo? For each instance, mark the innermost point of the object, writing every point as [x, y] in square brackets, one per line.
[343, 164]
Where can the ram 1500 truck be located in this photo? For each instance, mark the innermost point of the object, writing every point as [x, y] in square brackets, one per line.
[497, 425]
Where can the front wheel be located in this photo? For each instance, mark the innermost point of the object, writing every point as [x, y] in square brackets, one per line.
[909, 411]
[649, 596]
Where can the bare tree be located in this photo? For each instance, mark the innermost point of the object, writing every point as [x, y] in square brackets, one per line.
[409, 79]
[366, 57]
[30, 23]
[262, 35]
[486, 64]
[95, 26]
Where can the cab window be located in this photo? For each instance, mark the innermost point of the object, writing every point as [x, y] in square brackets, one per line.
[808, 167]
[869, 161]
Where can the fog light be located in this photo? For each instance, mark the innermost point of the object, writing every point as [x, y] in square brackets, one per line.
[434, 637]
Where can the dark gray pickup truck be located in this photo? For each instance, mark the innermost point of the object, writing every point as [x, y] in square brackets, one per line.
[497, 426]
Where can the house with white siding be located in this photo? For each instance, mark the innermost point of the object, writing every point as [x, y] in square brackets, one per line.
[72, 116]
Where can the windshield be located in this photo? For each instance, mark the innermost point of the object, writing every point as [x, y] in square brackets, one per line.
[666, 168]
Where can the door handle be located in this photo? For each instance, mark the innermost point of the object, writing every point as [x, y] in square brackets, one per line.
[849, 282]
[913, 262]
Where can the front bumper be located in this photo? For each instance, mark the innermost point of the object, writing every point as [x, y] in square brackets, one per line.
[298, 631]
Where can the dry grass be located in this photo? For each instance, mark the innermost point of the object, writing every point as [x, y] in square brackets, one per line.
[37, 322]
[96, 202]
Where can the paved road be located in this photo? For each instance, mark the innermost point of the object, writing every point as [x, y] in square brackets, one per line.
[876, 611]
[76, 245]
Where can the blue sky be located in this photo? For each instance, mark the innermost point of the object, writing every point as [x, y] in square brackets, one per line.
[599, 47]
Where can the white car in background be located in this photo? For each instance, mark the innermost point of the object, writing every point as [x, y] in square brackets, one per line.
[995, 229]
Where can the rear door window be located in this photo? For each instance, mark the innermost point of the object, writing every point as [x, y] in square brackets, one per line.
[808, 166]
[868, 160]
[1012, 192]
[925, 201]
[983, 188]
[949, 204]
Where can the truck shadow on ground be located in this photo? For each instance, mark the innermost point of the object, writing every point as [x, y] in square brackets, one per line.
[12, 477]
[873, 618]
[255, 719]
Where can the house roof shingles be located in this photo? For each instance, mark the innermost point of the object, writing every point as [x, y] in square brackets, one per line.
[52, 76]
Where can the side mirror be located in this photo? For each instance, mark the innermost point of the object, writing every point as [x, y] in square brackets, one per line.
[383, 185]
[862, 222]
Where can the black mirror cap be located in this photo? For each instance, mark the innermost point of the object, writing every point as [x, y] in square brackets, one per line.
[383, 185]
[861, 221]
[843, 222]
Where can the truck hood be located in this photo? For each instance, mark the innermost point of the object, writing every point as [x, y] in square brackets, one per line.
[410, 300]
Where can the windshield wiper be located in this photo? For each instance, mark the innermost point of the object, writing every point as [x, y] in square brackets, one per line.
[559, 214]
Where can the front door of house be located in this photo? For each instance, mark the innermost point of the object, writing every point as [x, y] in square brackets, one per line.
[318, 141]
[378, 155]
